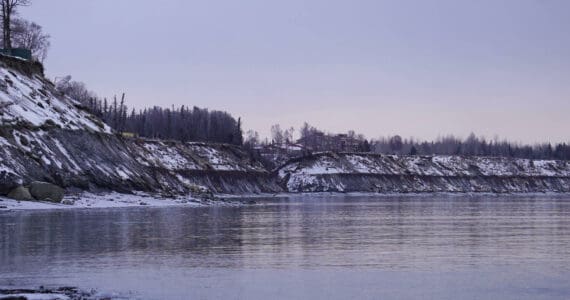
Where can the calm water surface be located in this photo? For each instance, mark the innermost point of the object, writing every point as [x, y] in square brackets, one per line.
[429, 247]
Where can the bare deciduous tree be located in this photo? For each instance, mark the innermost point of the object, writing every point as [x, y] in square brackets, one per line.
[277, 134]
[74, 89]
[396, 143]
[29, 35]
[252, 138]
[8, 10]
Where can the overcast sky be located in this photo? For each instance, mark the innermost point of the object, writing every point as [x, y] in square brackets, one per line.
[418, 68]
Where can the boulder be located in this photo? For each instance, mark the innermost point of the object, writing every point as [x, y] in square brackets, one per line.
[8, 182]
[20, 193]
[46, 191]
[67, 202]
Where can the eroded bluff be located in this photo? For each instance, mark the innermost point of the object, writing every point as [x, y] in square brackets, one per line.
[94, 160]
[353, 172]
[47, 136]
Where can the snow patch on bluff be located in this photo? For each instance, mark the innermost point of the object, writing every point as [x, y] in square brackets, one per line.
[33, 100]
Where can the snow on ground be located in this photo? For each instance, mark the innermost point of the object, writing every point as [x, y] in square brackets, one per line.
[439, 165]
[324, 167]
[110, 200]
[160, 154]
[218, 160]
[35, 296]
[31, 99]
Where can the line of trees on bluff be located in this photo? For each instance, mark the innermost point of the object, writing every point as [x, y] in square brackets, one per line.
[318, 140]
[471, 146]
[181, 123]
[196, 124]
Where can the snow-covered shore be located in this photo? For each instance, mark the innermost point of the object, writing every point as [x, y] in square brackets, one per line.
[109, 200]
[61, 293]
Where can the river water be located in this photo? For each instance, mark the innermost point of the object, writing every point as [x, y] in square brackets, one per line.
[304, 247]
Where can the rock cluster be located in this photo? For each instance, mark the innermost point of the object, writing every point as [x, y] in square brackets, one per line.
[40, 191]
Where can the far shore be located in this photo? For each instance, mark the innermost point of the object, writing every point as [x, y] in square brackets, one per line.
[116, 200]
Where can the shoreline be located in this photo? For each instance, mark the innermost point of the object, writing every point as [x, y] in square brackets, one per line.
[373, 194]
[51, 293]
[107, 200]
[138, 199]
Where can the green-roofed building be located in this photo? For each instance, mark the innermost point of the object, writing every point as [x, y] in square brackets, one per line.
[18, 52]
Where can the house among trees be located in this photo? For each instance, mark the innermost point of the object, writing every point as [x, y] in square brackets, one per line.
[279, 154]
[345, 143]
[320, 141]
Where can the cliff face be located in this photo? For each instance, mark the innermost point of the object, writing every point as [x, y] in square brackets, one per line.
[90, 161]
[350, 172]
[46, 136]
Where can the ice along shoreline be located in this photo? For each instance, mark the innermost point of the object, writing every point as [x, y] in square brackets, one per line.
[117, 200]
[106, 200]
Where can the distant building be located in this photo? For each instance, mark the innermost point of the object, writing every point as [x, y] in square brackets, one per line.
[346, 143]
[319, 141]
[278, 154]
[129, 134]
[18, 52]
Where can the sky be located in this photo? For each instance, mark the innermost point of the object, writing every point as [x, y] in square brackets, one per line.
[417, 68]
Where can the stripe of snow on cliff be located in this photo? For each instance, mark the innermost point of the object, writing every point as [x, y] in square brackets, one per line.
[361, 164]
[219, 162]
[123, 173]
[33, 101]
[392, 165]
[299, 182]
[168, 157]
[452, 165]
[3, 166]
[552, 168]
[324, 165]
[4, 142]
[76, 168]
[420, 165]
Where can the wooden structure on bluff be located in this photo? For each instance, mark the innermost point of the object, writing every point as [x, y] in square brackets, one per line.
[18, 52]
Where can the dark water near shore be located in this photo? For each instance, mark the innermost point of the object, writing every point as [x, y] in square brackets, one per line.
[428, 247]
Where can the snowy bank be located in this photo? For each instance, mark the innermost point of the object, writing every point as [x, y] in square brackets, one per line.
[107, 200]
[362, 172]
[62, 293]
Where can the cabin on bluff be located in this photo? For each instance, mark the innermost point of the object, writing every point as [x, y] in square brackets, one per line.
[18, 52]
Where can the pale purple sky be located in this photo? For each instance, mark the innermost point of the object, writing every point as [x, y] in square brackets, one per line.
[418, 68]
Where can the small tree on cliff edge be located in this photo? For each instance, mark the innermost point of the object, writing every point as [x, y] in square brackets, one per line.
[8, 9]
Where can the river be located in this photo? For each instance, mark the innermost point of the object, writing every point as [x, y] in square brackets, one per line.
[302, 247]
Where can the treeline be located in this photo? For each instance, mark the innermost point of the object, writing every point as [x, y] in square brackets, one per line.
[471, 146]
[184, 124]
[181, 123]
[314, 139]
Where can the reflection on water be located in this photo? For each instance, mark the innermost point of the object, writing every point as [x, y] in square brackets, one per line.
[371, 242]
